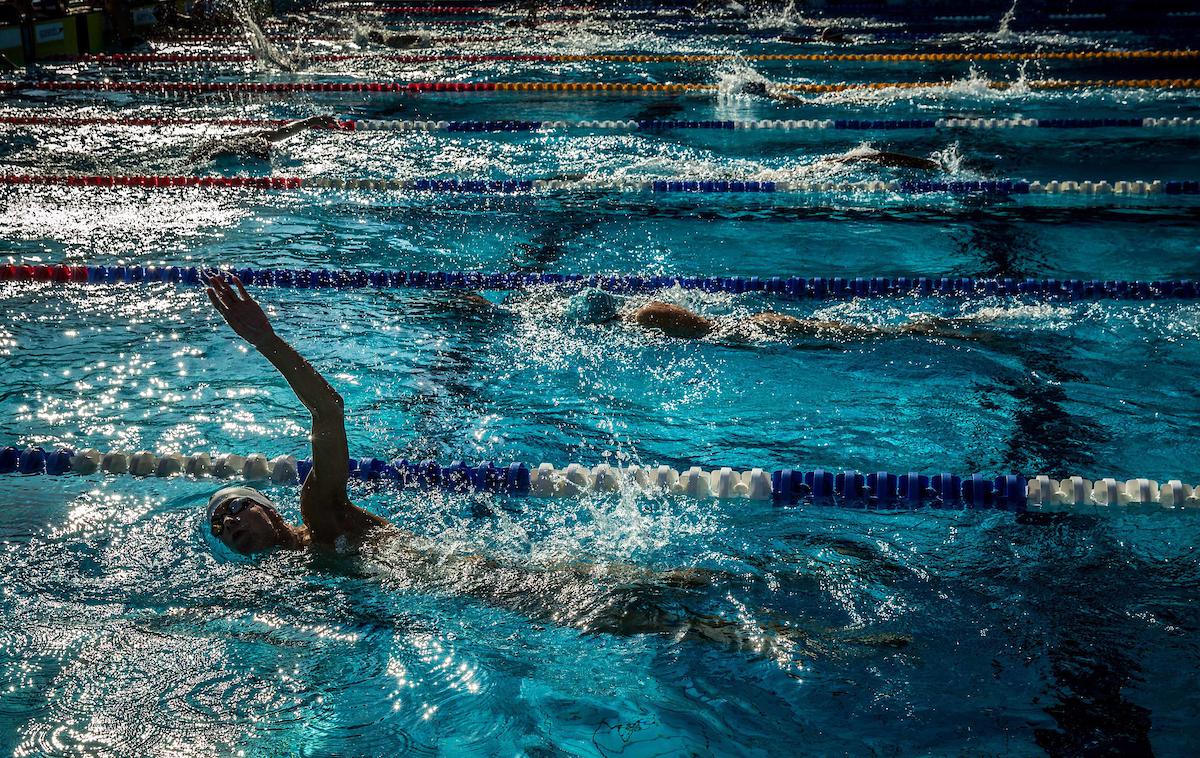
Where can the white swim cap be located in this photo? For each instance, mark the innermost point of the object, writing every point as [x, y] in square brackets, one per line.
[236, 493]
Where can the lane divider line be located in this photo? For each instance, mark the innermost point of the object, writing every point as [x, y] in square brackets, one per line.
[815, 288]
[638, 88]
[403, 125]
[1092, 55]
[1005, 187]
[879, 490]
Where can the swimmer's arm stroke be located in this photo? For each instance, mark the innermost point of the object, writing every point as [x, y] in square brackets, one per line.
[287, 130]
[323, 499]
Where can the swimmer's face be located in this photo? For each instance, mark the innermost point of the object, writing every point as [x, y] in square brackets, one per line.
[755, 88]
[245, 526]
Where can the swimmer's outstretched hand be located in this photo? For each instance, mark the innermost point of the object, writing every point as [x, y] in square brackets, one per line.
[240, 311]
[322, 122]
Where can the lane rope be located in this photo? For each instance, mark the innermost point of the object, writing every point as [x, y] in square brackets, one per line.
[878, 490]
[1006, 187]
[278, 88]
[402, 125]
[814, 288]
[192, 39]
[134, 58]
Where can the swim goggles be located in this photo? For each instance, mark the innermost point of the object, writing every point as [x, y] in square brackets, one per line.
[231, 507]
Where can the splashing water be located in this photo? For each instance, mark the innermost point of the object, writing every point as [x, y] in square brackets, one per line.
[1004, 32]
[788, 18]
[733, 76]
[261, 48]
[950, 159]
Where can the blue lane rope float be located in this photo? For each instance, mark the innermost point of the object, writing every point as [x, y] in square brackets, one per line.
[815, 288]
[994, 187]
[879, 490]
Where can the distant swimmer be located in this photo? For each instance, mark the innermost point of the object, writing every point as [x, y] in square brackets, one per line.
[828, 34]
[531, 20]
[888, 158]
[766, 89]
[256, 145]
[397, 40]
[596, 306]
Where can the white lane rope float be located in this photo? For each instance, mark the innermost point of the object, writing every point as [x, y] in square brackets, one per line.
[850, 489]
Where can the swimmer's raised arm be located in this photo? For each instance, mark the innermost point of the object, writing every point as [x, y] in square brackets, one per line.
[324, 504]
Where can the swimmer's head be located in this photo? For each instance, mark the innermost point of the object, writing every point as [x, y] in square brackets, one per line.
[245, 521]
[592, 306]
[755, 88]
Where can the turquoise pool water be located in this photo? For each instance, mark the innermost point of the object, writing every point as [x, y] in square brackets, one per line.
[812, 631]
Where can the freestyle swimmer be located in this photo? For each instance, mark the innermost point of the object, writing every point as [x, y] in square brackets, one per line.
[597, 306]
[256, 145]
[828, 35]
[397, 40]
[245, 520]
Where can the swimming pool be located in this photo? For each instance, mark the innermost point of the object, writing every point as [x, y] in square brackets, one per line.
[840, 631]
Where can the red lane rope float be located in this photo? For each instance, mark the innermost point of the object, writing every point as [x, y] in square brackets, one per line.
[263, 123]
[204, 88]
[225, 182]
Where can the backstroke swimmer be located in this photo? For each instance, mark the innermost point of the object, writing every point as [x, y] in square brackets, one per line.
[616, 599]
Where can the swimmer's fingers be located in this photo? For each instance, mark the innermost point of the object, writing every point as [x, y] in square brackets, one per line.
[226, 291]
[213, 290]
[215, 299]
[220, 287]
[241, 289]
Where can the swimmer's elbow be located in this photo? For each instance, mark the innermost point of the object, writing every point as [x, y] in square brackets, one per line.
[336, 404]
[330, 408]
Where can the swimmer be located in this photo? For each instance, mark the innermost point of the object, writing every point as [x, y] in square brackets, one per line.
[245, 520]
[676, 321]
[531, 16]
[891, 159]
[827, 34]
[764, 90]
[256, 145]
[597, 307]
[398, 40]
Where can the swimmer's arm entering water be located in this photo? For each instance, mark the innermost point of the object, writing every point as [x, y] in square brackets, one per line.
[288, 130]
[324, 504]
[892, 159]
[256, 144]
